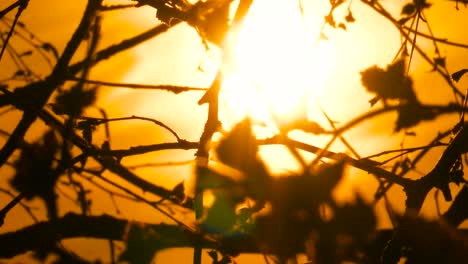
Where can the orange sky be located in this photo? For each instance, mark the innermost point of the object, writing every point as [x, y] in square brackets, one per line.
[174, 58]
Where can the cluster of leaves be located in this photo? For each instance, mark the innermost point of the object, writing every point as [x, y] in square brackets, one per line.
[209, 18]
[330, 18]
[73, 101]
[37, 172]
[410, 10]
[295, 221]
[393, 84]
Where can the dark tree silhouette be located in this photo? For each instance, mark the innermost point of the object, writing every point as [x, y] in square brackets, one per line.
[252, 211]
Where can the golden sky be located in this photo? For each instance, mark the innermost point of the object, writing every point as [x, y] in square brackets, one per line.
[277, 49]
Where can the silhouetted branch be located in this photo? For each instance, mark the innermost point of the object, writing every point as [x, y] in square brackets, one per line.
[140, 198]
[439, 177]
[99, 121]
[381, 10]
[117, 7]
[9, 206]
[123, 45]
[138, 150]
[435, 109]
[103, 227]
[108, 162]
[9, 8]
[169, 88]
[441, 40]
[22, 4]
[41, 91]
[162, 236]
[457, 212]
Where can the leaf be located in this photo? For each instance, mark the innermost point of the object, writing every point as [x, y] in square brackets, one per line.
[239, 148]
[327, 177]
[357, 219]
[214, 257]
[301, 191]
[330, 20]
[431, 241]
[410, 114]
[457, 75]
[342, 26]
[421, 4]
[34, 171]
[179, 191]
[72, 102]
[349, 17]
[50, 48]
[439, 61]
[141, 245]
[408, 9]
[391, 83]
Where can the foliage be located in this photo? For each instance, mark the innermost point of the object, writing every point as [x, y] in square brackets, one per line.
[252, 210]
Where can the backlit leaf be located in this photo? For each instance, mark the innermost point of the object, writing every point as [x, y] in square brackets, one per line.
[457, 75]
[389, 83]
[239, 148]
[408, 9]
[72, 102]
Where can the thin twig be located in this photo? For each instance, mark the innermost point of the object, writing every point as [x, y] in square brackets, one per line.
[98, 121]
[170, 88]
[436, 39]
[21, 7]
[25, 207]
[406, 150]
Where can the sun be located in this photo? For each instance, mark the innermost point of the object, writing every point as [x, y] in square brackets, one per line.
[277, 65]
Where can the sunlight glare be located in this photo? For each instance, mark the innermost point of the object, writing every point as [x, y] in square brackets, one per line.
[277, 65]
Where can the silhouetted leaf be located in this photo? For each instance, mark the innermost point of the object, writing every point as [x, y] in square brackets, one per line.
[215, 259]
[342, 26]
[457, 75]
[239, 148]
[141, 245]
[179, 191]
[421, 4]
[34, 168]
[349, 17]
[439, 61]
[304, 190]
[357, 219]
[50, 48]
[391, 83]
[328, 177]
[294, 213]
[431, 241]
[410, 114]
[408, 9]
[72, 102]
[330, 20]
[35, 172]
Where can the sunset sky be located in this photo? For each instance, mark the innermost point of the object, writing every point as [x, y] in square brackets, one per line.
[278, 63]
